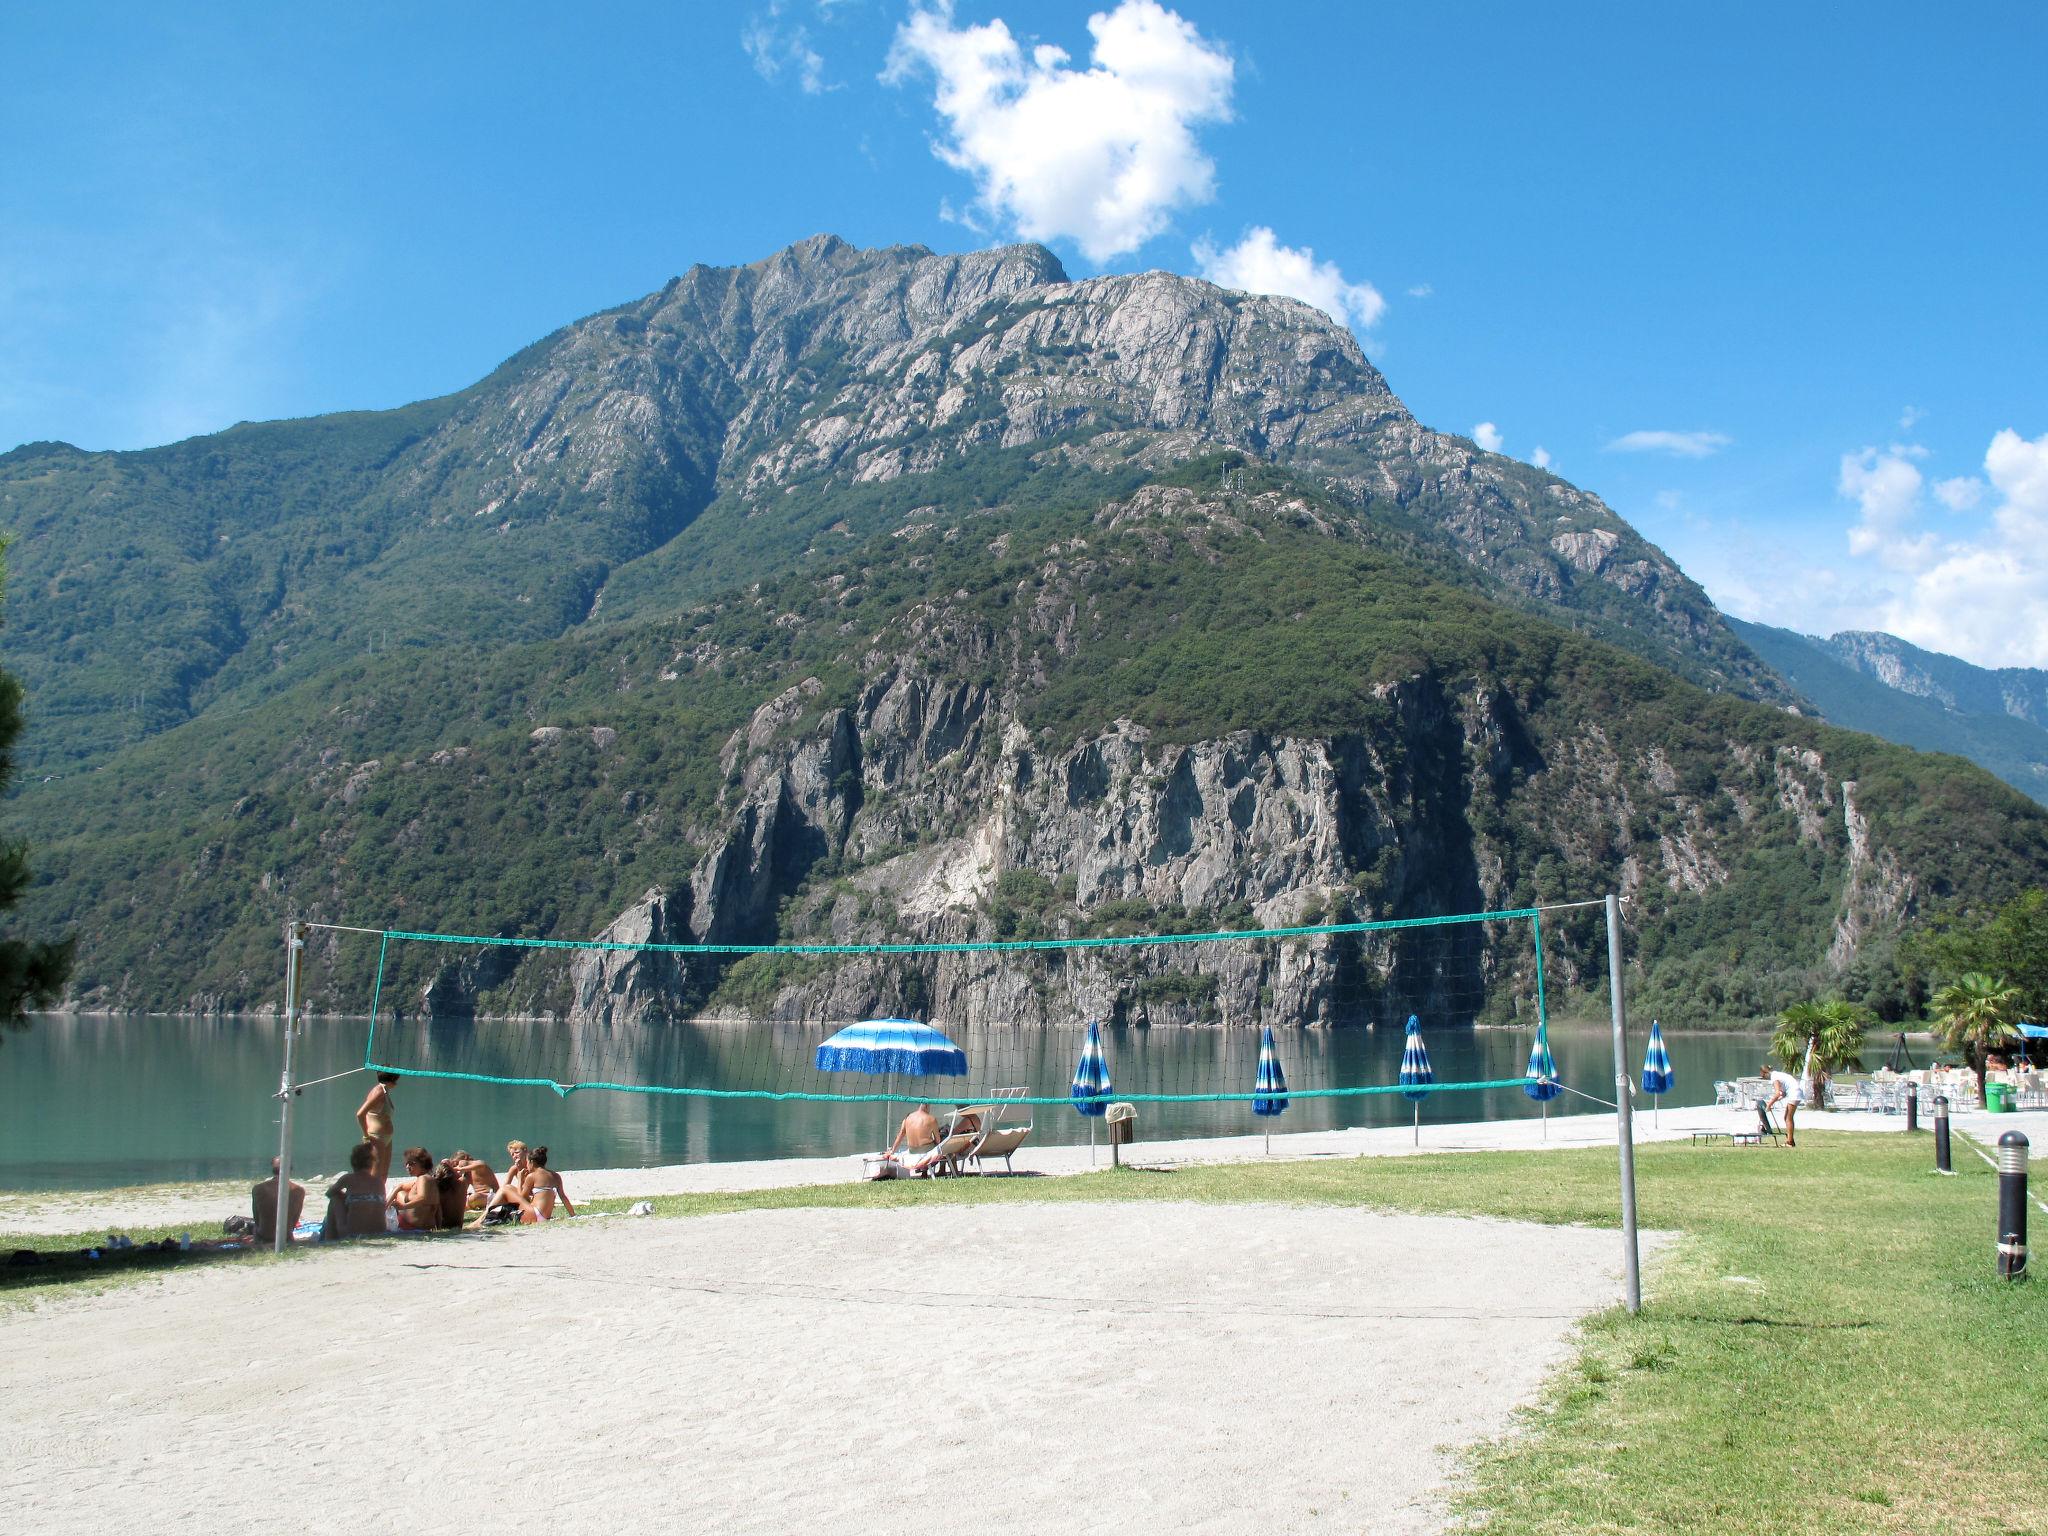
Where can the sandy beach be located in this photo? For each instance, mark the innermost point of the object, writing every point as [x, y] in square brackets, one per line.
[1036, 1368]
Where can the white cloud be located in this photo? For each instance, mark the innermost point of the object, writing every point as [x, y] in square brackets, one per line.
[1100, 156]
[1962, 494]
[1487, 436]
[1684, 445]
[774, 47]
[1886, 489]
[1541, 457]
[1983, 596]
[1259, 263]
[1421, 291]
[1910, 417]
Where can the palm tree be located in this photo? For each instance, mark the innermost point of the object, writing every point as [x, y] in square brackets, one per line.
[1832, 1031]
[1975, 1013]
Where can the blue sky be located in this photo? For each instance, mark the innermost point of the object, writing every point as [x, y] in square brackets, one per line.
[1767, 280]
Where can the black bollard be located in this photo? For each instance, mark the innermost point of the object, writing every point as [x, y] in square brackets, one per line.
[1941, 1134]
[1912, 1108]
[2012, 1205]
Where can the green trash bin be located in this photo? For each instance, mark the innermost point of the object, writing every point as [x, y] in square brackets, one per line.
[1998, 1098]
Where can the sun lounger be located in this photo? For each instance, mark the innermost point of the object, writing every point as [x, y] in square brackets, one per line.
[1001, 1141]
[947, 1156]
[1000, 1136]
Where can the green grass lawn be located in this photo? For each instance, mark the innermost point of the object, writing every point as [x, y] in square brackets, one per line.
[1826, 1348]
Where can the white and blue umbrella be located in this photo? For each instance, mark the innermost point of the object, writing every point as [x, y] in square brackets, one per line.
[1415, 1072]
[891, 1048]
[1542, 1085]
[1657, 1074]
[1271, 1083]
[1091, 1087]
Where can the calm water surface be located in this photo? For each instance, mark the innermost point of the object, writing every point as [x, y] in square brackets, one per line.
[99, 1103]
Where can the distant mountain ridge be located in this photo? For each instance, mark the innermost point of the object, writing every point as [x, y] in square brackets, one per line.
[1875, 682]
[2021, 692]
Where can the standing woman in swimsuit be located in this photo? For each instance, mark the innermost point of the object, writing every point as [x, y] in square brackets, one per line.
[375, 1117]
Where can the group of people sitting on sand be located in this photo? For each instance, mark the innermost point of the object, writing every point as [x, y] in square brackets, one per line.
[443, 1196]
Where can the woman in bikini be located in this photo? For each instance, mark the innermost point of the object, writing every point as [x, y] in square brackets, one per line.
[355, 1201]
[543, 1189]
[507, 1202]
[379, 1125]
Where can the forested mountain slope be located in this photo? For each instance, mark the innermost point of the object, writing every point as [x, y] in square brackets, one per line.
[882, 594]
[707, 436]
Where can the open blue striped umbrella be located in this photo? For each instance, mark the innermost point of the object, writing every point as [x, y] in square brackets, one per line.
[1657, 1074]
[890, 1047]
[1090, 1087]
[1415, 1072]
[1543, 1085]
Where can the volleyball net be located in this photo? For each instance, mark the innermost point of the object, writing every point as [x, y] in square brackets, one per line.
[745, 1021]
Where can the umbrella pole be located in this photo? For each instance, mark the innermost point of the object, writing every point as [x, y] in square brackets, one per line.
[1546, 1119]
[1418, 1122]
[1091, 1141]
[888, 1087]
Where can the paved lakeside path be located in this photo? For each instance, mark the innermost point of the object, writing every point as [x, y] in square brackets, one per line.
[203, 1205]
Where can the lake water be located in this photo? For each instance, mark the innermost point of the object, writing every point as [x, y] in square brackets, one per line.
[90, 1103]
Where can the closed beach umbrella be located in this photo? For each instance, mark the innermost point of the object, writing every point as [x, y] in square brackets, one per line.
[1543, 1085]
[892, 1048]
[1657, 1074]
[1271, 1083]
[1415, 1072]
[1090, 1088]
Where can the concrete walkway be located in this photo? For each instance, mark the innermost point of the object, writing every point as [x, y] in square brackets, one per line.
[202, 1207]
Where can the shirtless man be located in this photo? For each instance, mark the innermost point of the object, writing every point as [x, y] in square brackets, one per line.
[263, 1206]
[417, 1199]
[918, 1133]
[355, 1201]
[1790, 1092]
[543, 1189]
[482, 1179]
[375, 1118]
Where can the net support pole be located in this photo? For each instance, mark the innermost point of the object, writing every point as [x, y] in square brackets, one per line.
[294, 943]
[1624, 1127]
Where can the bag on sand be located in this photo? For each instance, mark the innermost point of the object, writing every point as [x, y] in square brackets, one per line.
[239, 1226]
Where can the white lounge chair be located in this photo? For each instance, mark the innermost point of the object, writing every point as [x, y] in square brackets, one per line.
[1000, 1136]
